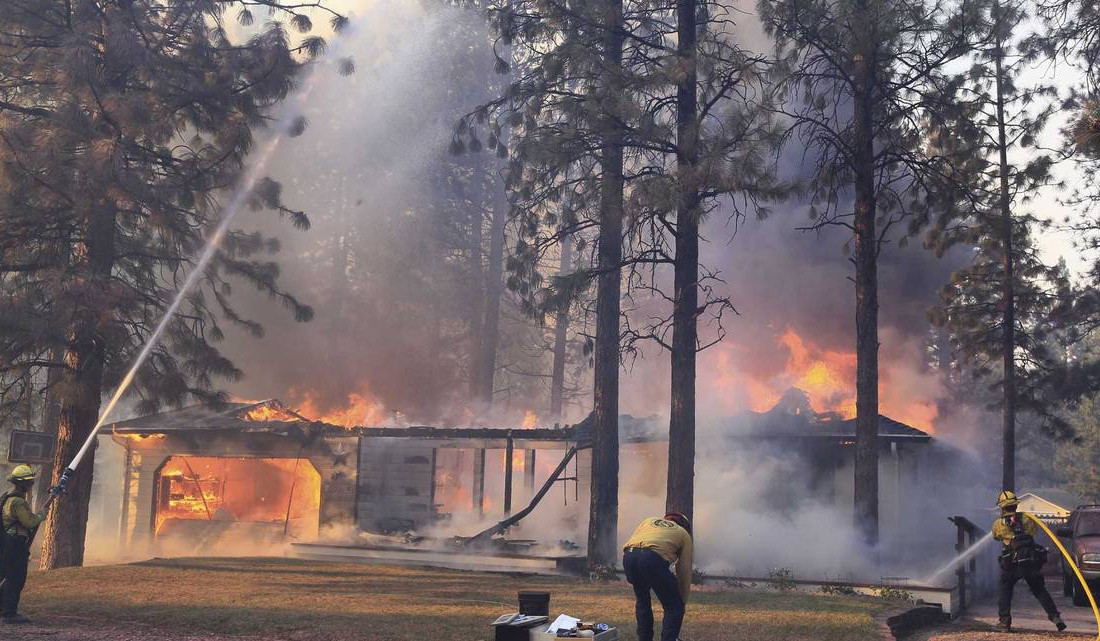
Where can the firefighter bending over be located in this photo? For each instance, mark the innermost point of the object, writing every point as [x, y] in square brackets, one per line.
[19, 523]
[1021, 558]
[654, 546]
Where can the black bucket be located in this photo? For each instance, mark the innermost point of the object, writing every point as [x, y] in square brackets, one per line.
[534, 603]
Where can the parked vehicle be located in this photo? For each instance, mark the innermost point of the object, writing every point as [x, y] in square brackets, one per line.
[1081, 536]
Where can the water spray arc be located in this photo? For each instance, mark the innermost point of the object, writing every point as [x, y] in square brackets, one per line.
[963, 557]
[1072, 564]
[282, 129]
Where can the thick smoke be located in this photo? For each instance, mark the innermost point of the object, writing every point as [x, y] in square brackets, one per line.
[369, 170]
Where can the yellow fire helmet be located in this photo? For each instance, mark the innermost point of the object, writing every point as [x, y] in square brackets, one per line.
[21, 473]
[1007, 498]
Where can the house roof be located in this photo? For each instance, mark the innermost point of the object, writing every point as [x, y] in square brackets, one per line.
[790, 418]
[261, 416]
[763, 425]
[794, 417]
[1050, 501]
[273, 417]
[768, 425]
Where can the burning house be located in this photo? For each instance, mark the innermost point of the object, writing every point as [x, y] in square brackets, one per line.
[260, 472]
[820, 450]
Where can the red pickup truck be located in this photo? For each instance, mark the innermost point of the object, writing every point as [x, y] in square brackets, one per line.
[1081, 536]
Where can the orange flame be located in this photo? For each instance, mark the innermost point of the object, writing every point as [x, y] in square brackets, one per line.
[530, 419]
[240, 489]
[826, 375]
[269, 413]
[360, 411]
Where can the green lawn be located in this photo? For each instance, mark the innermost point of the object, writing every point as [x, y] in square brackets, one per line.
[296, 599]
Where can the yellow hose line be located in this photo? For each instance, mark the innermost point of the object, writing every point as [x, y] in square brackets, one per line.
[1076, 570]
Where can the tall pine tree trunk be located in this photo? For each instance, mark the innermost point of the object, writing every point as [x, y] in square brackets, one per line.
[604, 510]
[1008, 290]
[561, 339]
[477, 304]
[866, 263]
[80, 395]
[681, 428]
[494, 290]
[51, 414]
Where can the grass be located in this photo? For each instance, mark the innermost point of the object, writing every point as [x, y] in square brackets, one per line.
[308, 600]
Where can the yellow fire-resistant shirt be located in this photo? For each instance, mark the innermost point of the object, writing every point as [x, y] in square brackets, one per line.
[1003, 531]
[18, 517]
[669, 540]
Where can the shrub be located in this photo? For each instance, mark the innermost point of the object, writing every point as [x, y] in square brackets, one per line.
[893, 594]
[841, 590]
[782, 579]
[603, 573]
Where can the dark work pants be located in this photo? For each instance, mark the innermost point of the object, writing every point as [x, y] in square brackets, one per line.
[1034, 581]
[13, 571]
[646, 570]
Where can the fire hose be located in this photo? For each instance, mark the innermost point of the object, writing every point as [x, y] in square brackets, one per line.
[1072, 564]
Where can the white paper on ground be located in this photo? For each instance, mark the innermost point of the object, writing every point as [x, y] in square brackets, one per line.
[563, 622]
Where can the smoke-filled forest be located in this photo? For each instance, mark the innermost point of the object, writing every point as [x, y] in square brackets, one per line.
[770, 265]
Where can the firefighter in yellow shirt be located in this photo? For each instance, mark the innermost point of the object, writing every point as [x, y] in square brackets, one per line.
[655, 545]
[19, 522]
[1021, 558]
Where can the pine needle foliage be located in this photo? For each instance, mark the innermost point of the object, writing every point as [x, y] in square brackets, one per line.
[123, 127]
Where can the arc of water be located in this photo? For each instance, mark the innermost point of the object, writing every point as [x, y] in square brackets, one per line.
[236, 203]
[962, 557]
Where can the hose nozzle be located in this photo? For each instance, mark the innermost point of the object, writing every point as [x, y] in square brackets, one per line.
[62, 482]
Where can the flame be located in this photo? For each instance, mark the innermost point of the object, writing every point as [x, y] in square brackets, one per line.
[138, 439]
[530, 419]
[277, 491]
[269, 413]
[359, 411]
[826, 375]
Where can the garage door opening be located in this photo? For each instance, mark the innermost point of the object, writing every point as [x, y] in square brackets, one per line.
[200, 500]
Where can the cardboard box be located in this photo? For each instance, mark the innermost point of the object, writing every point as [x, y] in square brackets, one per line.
[540, 633]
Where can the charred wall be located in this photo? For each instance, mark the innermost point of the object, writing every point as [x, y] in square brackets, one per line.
[396, 484]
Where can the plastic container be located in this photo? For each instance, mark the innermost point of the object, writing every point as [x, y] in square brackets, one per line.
[534, 603]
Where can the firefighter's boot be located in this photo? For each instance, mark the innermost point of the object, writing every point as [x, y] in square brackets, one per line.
[1058, 622]
[1005, 624]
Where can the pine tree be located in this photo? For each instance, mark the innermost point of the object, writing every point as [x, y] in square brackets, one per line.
[859, 79]
[567, 100]
[1076, 458]
[123, 125]
[677, 160]
[999, 307]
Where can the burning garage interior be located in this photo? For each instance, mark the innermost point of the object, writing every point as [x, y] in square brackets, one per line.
[256, 471]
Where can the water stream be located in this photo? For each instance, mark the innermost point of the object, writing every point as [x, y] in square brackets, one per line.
[953, 564]
[256, 170]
